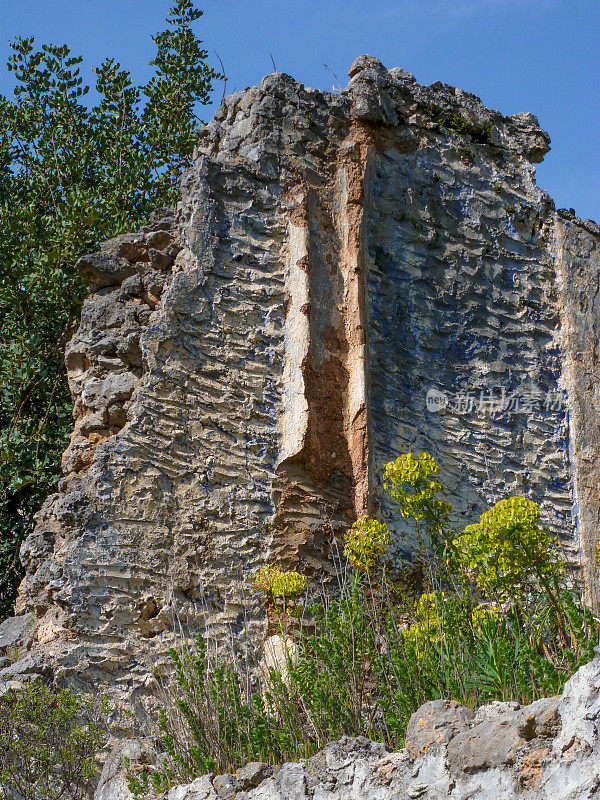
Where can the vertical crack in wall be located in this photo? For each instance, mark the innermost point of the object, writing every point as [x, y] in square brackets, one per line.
[323, 470]
[352, 166]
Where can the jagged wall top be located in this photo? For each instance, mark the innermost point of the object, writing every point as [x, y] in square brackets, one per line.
[374, 95]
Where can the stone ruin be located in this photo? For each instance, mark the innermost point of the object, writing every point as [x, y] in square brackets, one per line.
[348, 276]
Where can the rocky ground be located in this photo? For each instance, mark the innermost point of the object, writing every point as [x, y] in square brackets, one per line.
[548, 750]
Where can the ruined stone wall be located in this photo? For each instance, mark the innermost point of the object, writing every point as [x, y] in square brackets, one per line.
[244, 370]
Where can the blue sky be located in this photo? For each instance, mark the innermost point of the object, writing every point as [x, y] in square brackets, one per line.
[517, 55]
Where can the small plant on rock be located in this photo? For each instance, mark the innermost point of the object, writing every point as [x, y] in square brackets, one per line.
[281, 588]
[367, 542]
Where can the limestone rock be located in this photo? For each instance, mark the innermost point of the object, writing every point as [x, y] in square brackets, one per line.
[104, 269]
[347, 277]
[14, 631]
[252, 774]
[436, 722]
[225, 786]
[29, 664]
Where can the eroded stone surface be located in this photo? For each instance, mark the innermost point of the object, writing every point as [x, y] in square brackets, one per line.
[244, 370]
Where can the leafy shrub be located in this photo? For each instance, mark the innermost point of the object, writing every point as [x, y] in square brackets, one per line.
[215, 722]
[49, 740]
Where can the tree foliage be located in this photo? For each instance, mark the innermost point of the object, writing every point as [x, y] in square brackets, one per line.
[72, 174]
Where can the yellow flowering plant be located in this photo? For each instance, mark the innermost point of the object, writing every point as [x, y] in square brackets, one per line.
[274, 581]
[367, 542]
[429, 605]
[412, 481]
[429, 616]
[281, 588]
[484, 615]
[506, 555]
[508, 551]
[509, 554]
[438, 615]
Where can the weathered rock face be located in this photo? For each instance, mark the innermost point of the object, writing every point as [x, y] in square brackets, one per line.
[549, 750]
[242, 373]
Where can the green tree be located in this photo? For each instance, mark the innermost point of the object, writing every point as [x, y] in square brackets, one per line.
[71, 175]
